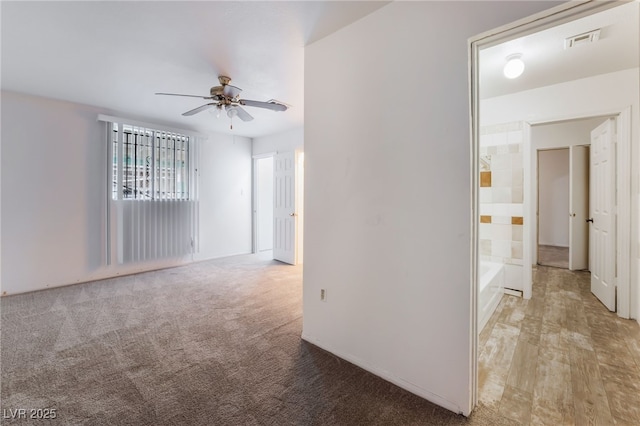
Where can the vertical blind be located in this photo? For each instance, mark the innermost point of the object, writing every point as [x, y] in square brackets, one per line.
[152, 206]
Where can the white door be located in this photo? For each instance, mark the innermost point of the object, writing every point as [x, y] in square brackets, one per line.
[602, 202]
[578, 208]
[284, 214]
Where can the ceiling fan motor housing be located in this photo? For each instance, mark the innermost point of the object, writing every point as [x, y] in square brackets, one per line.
[216, 90]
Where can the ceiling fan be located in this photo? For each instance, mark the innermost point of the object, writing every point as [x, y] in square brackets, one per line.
[227, 97]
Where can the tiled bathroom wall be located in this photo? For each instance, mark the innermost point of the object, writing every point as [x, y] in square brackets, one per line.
[501, 197]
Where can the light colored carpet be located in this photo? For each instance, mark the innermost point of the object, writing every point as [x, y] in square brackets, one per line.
[212, 343]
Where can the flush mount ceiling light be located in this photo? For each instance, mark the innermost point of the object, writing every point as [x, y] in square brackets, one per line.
[514, 66]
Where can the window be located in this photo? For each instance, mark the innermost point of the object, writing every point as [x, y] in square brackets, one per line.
[151, 184]
[155, 164]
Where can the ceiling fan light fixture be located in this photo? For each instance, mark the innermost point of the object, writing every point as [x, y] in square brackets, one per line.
[514, 66]
[216, 111]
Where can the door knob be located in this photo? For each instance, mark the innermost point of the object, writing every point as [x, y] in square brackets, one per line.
[292, 214]
[590, 220]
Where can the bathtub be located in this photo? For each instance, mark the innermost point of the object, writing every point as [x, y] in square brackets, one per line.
[490, 290]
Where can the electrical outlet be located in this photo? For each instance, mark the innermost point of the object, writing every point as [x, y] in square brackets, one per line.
[323, 294]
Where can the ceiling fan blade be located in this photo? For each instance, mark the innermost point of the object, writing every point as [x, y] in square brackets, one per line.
[274, 106]
[190, 96]
[231, 91]
[199, 109]
[240, 112]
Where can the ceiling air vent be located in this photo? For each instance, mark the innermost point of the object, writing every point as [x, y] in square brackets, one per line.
[580, 39]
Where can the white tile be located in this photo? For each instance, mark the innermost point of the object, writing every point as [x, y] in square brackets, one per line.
[501, 209]
[487, 140]
[485, 195]
[485, 247]
[501, 195]
[504, 220]
[517, 177]
[501, 161]
[501, 178]
[516, 161]
[516, 210]
[514, 125]
[501, 232]
[516, 250]
[517, 194]
[503, 148]
[501, 248]
[486, 209]
[484, 231]
[514, 136]
[500, 138]
[516, 234]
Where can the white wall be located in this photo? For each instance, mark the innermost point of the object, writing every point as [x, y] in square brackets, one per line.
[589, 97]
[291, 140]
[53, 195]
[387, 187]
[553, 197]
[563, 134]
[225, 196]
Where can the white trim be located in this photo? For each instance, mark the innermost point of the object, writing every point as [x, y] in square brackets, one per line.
[109, 191]
[527, 255]
[112, 119]
[264, 155]
[623, 207]
[404, 384]
[474, 132]
[623, 211]
[563, 13]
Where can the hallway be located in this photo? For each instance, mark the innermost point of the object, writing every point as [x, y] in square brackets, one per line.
[560, 357]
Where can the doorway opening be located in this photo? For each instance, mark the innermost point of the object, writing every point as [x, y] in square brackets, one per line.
[505, 118]
[278, 182]
[263, 204]
[553, 205]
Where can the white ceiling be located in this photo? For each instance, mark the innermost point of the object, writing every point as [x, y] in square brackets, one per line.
[116, 55]
[547, 62]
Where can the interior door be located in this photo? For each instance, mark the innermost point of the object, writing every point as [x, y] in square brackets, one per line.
[284, 214]
[602, 202]
[578, 208]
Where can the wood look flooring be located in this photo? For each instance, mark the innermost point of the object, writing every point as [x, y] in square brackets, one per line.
[560, 358]
[558, 257]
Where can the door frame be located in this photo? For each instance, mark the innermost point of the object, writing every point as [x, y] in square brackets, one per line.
[623, 202]
[554, 16]
[254, 198]
[578, 226]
